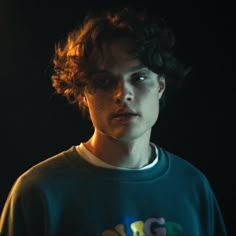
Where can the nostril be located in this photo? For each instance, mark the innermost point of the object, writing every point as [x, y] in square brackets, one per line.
[129, 97]
[123, 98]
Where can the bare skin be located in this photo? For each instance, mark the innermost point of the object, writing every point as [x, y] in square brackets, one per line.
[125, 109]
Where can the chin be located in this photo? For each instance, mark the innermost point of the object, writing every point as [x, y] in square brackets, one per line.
[125, 137]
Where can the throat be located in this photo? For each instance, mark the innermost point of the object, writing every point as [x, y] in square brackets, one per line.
[124, 156]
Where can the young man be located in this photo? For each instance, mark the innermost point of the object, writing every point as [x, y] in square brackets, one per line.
[118, 68]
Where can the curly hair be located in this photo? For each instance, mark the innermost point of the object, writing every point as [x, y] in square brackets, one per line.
[75, 58]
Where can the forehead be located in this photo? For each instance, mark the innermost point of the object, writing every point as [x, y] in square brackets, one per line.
[118, 56]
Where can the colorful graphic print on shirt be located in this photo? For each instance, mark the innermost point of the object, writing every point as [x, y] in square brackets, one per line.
[129, 226]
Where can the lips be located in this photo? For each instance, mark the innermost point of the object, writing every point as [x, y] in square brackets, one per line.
[124, 114]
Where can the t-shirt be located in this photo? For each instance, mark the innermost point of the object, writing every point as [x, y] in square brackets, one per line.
[91, 158]
[65, 195]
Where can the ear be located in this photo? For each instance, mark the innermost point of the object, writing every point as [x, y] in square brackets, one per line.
[162, 86]
[84, 100]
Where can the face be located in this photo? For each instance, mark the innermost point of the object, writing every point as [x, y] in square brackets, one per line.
[124, 103]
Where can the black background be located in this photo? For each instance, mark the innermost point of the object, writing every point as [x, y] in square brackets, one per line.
[198, 124]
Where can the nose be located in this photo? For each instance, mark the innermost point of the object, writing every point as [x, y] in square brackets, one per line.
[123, 92]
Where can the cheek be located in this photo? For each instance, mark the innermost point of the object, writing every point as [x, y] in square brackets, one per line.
[151, 104]
[96, 106]
[151, 94]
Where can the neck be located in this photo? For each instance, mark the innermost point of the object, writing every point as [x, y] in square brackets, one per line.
[130, 154]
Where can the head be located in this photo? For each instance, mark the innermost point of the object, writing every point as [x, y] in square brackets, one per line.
[77, 58]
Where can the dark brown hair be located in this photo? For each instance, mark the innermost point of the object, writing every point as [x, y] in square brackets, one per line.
[75, 58]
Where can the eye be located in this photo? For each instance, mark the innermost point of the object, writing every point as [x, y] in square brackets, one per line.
[139, 77]
[102, 81]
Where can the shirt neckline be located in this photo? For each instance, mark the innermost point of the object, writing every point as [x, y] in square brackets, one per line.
[94, 160]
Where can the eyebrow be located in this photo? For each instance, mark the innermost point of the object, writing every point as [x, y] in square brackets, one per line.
[137, 68]
[132, 70]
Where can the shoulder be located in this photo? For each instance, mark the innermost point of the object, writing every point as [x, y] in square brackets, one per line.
[56, 162]
[47, 169]
[184, 169]
[187, 177]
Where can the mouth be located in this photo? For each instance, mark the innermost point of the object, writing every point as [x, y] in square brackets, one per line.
[124, 115]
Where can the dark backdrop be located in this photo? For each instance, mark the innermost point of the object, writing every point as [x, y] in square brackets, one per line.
[198, 123]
